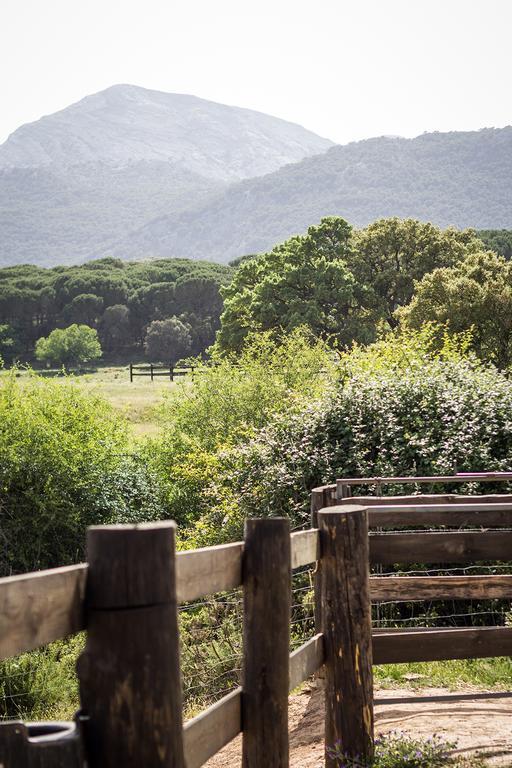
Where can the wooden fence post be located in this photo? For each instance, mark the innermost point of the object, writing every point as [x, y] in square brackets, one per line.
[151, 370]
[318, 502]
[129, 673]
[131, 372]
[267, 609]
[346, 623]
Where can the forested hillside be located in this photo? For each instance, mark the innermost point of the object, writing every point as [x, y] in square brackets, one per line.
[459, 179]
[118, 299]
[73, 183]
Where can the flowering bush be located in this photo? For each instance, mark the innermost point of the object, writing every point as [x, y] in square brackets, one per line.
[400, 750]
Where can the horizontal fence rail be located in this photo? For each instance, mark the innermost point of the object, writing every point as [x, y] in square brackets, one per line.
[434, 547]
[113, 602]
[345, 484]
[170, 372]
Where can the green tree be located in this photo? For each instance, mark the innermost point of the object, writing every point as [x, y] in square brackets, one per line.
[475, 294]
[85, 308]
[391, 254]
[115, 327]
[168, 340]
[498, 240]
[303, 282]
[7, 342]
[70, 346]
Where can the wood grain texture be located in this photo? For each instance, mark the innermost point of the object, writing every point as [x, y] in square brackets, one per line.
[434, 547]
[306, 660]
[210, 731]
[267, 610]
[130, 686]
[469, 477]
[305, 547]
[346, 623]
[448, 515]
[38, 608]
[410, 588]
[202, 572]
[441, 644]
[40, 745]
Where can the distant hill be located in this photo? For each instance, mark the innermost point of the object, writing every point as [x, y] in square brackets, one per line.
[74, 183]
[460, 179]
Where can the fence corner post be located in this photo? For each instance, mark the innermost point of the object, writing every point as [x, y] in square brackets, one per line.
[129, 673]
[346, 624]
[267, 609]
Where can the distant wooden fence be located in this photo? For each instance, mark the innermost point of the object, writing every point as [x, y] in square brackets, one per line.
[126, 597]
[170, 372]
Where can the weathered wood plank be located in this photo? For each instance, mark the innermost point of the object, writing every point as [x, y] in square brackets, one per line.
[129, 673]
[451, 515]
[470, 477]
[40, 745]
[201, 572]
[346, 624]
[305, 547]
[207, 733]
[38, 608]
[441, 644]
[306, 660]
[434, 547]
[265, 667]
[409, 588]
[427, 499]
[210, 731]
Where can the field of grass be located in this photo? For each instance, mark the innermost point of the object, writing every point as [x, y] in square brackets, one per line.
[135, 401]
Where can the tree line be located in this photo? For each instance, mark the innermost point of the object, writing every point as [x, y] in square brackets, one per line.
[349, 286]
[132, 306]
[345, 285]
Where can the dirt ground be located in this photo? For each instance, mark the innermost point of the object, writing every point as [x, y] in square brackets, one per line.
[481, 726]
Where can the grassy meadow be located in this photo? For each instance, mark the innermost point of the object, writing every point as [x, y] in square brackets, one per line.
[134, 401]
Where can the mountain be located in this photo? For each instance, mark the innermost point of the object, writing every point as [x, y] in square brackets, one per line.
[74, 183]
[460, 178]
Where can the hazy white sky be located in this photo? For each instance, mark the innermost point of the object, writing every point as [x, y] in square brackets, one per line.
[347, 69]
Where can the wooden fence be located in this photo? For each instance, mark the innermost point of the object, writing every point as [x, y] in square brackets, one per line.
[126, 597]
[170, 372]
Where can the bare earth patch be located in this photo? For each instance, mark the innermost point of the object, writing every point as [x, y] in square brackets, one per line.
[481, 726]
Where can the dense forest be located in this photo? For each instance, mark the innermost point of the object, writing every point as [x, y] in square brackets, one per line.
[120, 300]
[329, 279]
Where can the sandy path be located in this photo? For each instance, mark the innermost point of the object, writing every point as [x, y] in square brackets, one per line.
[483, 725]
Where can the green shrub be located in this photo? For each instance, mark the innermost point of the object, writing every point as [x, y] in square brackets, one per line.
[65, 463]
[225, 406]
[41, 685]
[400, 750]
[399, 408]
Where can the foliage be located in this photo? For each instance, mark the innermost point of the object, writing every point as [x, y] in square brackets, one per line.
[7, 342]
[116, 298]
[497, 240]
[41, 685]
[70, 346]
[226, 404]
[400, 750]
[65, 463]
[474, 294]
[304, 281]
[402, 407]
[338, 283]
[168, 340]
[391, 254]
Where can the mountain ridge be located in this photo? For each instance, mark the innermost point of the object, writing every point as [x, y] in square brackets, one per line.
[125, 124]
[458, 178]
